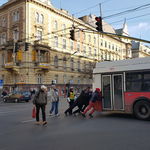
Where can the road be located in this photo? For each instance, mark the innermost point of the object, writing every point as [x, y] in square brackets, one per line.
[105, 131]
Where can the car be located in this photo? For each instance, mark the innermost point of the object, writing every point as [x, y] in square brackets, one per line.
[17, 96]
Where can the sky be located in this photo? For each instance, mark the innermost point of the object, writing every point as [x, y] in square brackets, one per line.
[138, 21]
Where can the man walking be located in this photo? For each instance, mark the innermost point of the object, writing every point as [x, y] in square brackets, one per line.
[55, 99]
[96, 96]
[40, 101]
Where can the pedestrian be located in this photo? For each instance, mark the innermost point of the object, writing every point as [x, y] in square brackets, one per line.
[78, 102]
[40, 101]
[4, 94]
[71, 97]
[55, 100]
[95, 96]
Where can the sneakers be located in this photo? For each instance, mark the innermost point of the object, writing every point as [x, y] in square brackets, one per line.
[83, 115]
[57, 115]
[44, 122]
[37, 122]
[50, 114]
[90, 115]
[74, 114]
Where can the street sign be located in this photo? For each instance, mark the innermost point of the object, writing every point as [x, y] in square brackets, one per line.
[1, 83]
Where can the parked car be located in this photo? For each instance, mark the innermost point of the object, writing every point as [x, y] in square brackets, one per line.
[17, 96]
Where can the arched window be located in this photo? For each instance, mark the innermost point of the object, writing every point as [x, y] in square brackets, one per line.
[64, 28]
[84, 36]
[18, 17]
[89, 50]
[72, 63]
[78, 64]
[55, 24]
[3, 23]
[14, 17]
[89, 38]
[56, 61]
[37, 17]
[55, 41]
[94, 40]
[42, 19]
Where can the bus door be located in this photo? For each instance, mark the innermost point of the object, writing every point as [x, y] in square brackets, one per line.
[112, 91]
[107, 92]
[117, 91]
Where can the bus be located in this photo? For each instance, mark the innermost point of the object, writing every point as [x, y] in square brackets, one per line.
[125, 86]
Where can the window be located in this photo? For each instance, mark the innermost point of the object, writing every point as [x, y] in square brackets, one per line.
[119, 49]
[3, 22]
[84, 36]
[71, 81]
[72, 64]
[15, 76]
[129, 51]
[144, 50]
[37, 17]
[106, 44]
[14, 17]
[78, 80]
[109, 46]
[89, 50]
[90, 80]
[94, 40]
[78, 47]
[39, 35]
[90, 66]
[109, 57]
[71, 45]
[3, 38]
[112, 46]
[101, 55]
[56, 61]
[84, 66]
[55, 41]
[136, 82]
[39, 78]
[78, 64]
[64, 79]
[56, 78]
[15, 34]
[94, 52]
[64, 43]
[3, 59]
[105, 56]
[101, 42]
[84, 49]
[18, 17]
[116, 48]
[64, 28]
[42, 19]
[64, 62]
[78, 34]
[55, 24]
[89, 38]
[84, 80]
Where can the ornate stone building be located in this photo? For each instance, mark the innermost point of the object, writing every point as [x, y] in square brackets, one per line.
[52, 55]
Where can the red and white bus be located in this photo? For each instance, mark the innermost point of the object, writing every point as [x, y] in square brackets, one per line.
[125, 85]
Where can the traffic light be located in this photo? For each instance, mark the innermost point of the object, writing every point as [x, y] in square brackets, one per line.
[26, 47]
[99, 23]
[72, 35]
[16, 47]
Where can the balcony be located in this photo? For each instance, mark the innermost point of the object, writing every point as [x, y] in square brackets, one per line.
[41, 43]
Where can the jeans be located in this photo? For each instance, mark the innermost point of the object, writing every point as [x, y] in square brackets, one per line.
[54, 105]
[71, 107]
[42, 106]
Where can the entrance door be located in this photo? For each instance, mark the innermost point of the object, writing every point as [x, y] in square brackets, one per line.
[118, 100]
[107, 92]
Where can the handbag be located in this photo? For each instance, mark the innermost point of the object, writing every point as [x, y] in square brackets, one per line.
[33, 113]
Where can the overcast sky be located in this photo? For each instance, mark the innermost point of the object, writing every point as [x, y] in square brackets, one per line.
[139, 27]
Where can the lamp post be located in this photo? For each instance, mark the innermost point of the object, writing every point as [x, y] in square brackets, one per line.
[67, 84]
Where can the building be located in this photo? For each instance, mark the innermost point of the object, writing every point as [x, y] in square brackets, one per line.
[139, 50]
[51, 55]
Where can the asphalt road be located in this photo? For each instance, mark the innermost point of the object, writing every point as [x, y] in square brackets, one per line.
[105, 131]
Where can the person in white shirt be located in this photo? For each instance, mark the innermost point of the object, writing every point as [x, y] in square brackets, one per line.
[55, 100]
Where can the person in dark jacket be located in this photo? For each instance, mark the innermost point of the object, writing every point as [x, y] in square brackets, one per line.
[94, 98]
[40, 101]
[4, 93]
[79, 102]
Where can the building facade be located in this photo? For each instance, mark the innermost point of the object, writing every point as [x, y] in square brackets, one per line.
[51, 55]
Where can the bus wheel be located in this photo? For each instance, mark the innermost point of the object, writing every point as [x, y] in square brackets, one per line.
[142, 110]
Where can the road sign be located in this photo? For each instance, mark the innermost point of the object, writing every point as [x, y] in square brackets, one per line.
[1, 83]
